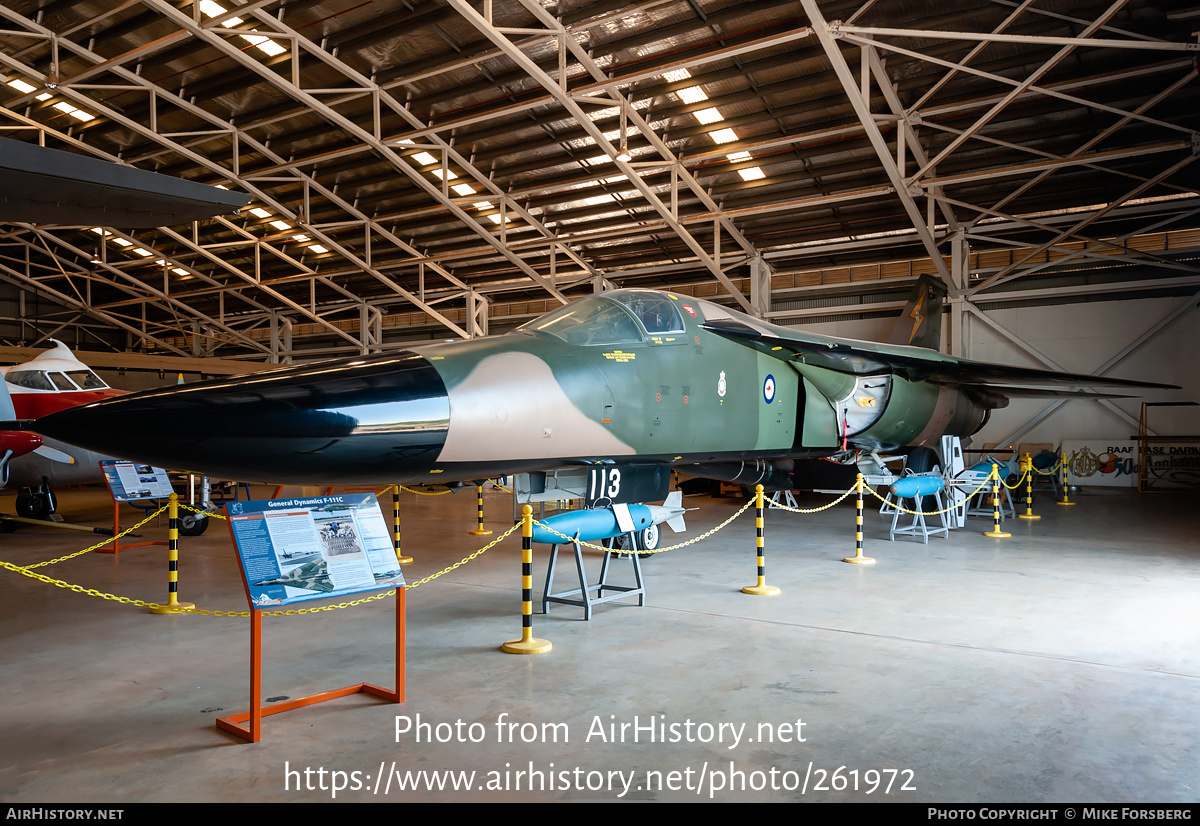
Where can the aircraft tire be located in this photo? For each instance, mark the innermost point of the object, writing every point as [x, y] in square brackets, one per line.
[190, 524]
[33, 506]
[648, 538]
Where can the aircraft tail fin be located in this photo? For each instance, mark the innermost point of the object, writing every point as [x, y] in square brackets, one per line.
[674, 501]
[920, 324]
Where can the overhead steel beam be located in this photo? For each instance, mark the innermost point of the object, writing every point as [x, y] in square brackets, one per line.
[862, 108]
[1011, 273]
[558, 88]
[212, 35]
[221, 127]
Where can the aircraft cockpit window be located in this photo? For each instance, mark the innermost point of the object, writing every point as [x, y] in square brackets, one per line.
[86, 379]
[593, 321]
[657, 313]
[61, 382]
[31, 379]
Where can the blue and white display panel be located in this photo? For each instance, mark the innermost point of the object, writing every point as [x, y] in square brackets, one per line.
[295, 550]
[130, 481]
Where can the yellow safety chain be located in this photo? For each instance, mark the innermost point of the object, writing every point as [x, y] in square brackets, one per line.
[193, 509]
[29, 572]
[768, 503]
[26, 571]
[99, 544]
[1017, 484]
[684, 544]
[883, 499]
[467, 559]
[1062, 461]
[426, 493]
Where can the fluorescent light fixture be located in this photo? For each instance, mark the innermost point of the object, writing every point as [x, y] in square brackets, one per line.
[692, 94]
[211, 9]
[738, 156]
[599, 114]
[751, 173]
[281, 225]
[424, 158]
[22, 86]
[723, 135]
[266, 44]
[496, 219]
[179, 271]
[710, 115]
[44, 96]
[676, 75]
[142, 252]
[482, 204]
[318, 248]
[299, 237]
[259, 212]
[122, 242]
[463, 189]
[443, 174]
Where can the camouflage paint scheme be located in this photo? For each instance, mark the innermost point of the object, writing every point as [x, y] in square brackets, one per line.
[611, 377]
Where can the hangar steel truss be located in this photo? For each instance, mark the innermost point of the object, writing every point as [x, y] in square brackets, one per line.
[448, 167]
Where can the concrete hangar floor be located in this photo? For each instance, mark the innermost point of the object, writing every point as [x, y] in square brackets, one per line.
[1060, 665]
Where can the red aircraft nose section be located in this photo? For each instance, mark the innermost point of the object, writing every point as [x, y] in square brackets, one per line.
[19, 442]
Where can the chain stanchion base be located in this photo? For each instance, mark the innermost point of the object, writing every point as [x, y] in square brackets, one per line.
[173, 607]
[480, 532]
[529, 646]
[999, 534]
[761, 590]
[1028, 516]
[1064, 503]
[404, 560]
[859, 559]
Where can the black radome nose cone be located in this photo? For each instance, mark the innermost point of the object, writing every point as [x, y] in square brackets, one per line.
[348, 421]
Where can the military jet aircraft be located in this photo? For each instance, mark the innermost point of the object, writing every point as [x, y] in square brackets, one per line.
[623, 383]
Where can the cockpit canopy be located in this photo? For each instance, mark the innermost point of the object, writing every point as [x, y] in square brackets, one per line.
[55, 380]
[619, 317]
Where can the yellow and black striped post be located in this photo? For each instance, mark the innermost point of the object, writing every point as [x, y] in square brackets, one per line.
[1066, 500]
[480, 531]
[1027, 466]
[527, 644]
[995, 531]
[400, 557]
[762, 589]
[858, 558]
[173, 606]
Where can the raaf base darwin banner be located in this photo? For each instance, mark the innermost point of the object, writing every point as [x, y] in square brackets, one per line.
[1114, 463]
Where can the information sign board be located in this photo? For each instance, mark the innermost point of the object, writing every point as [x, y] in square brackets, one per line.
[296, 550]
[130, 481]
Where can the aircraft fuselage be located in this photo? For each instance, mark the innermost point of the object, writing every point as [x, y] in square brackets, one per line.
[624, 375]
